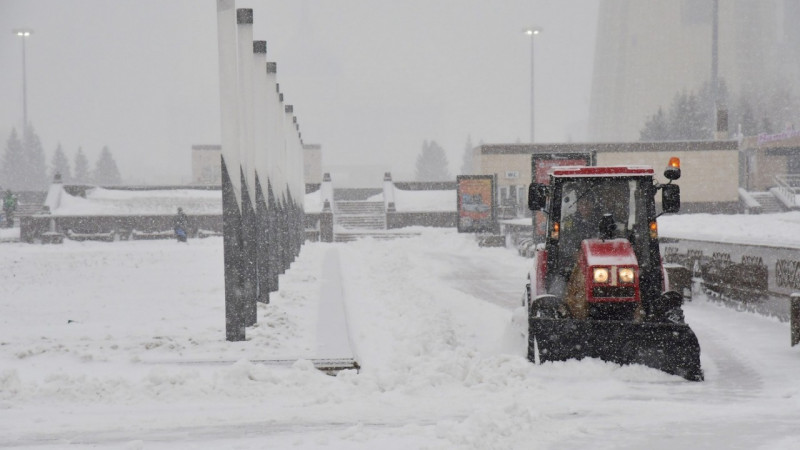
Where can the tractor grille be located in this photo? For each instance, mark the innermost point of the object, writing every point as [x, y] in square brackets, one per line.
[613, 291]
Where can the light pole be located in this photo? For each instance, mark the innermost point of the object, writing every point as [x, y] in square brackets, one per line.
[24, 33]
[532, 32]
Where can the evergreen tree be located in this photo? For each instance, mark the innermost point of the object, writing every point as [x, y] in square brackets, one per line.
[81, 167]
[686, 120]
[60, 165]
[766, 126]
[432, 163]
[782, 106]
[656, 128]
[466, 162]
[106, 172]
[747, 119]
[13, 158]
[34, 167]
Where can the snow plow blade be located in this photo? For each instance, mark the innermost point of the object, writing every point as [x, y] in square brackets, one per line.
[671, 348]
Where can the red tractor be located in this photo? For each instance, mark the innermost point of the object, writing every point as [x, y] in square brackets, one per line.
[598, 287]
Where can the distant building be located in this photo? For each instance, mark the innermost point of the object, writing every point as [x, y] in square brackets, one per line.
[649, 50]
[206, 164]
[770, 160]
[357, 176]
[710, 169]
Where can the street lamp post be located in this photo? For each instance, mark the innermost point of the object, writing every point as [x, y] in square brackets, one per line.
[532, 32]
[24, 33]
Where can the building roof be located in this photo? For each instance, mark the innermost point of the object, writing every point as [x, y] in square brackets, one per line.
[207, 147]
[607, 147]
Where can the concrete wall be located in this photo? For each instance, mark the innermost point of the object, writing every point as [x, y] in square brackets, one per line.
[708, 176]
[31, 228]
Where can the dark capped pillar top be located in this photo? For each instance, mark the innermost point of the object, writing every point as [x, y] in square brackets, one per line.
[272, 67]
[260, 47]
[289, 109]
[244, 16]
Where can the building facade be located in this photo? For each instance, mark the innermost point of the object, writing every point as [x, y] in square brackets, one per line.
[647, 51]
[710, 169]
[770, 161]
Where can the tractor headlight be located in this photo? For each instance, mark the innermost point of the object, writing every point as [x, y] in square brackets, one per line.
[625, 275]
[600, 275]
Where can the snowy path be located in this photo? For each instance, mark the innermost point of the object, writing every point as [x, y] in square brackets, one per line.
[430, 319]
[333, 333]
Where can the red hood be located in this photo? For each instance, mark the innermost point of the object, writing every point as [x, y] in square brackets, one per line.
[611, 252]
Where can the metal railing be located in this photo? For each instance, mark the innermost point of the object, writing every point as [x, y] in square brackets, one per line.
[788, 186]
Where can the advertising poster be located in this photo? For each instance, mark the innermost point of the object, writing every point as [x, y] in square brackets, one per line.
[476, 209]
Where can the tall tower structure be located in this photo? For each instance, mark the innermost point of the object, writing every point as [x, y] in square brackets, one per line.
[649, 50]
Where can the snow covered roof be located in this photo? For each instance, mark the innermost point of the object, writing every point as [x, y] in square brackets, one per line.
[106, 202]
[422, 201]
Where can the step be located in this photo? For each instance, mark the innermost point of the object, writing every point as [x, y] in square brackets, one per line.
[385, 236]
[356, 207]
[373, 223]
[768, 202]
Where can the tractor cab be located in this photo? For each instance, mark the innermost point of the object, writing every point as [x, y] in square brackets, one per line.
[601, 204]
[597, 286]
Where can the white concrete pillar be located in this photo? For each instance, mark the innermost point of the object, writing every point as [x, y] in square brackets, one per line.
[261, 113]
[228, 91]
[244, 20]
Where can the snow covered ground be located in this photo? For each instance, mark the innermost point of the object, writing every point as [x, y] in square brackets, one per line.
[778, 229]
[112, 345]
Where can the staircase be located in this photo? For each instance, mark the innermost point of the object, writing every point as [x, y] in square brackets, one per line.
[359, 215]
[357, 219]
[769, 204]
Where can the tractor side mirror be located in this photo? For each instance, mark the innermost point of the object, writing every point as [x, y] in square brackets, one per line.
[670, 198]
[537, 196]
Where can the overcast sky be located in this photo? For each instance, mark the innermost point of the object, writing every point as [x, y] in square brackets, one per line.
[370, 79]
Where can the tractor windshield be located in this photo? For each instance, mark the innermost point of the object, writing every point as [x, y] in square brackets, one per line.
[584, 201]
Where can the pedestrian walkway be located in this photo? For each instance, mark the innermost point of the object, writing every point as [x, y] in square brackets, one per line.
[333, 334]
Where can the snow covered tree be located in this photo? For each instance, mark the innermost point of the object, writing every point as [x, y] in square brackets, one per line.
[35, 165]
[106, 172]
[60, 165]
[766, 126]
[708, 104]
[686, 119]
[466, 162]
[656, 128]
[24, 163]
[432, 163]
[81, 167]
[10, 177]
[747, 119]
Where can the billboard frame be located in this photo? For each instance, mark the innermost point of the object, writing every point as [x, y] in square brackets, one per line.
[484, 217]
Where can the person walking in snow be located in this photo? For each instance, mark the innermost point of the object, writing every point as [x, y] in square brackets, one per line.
[181, 225]
[9, 207]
